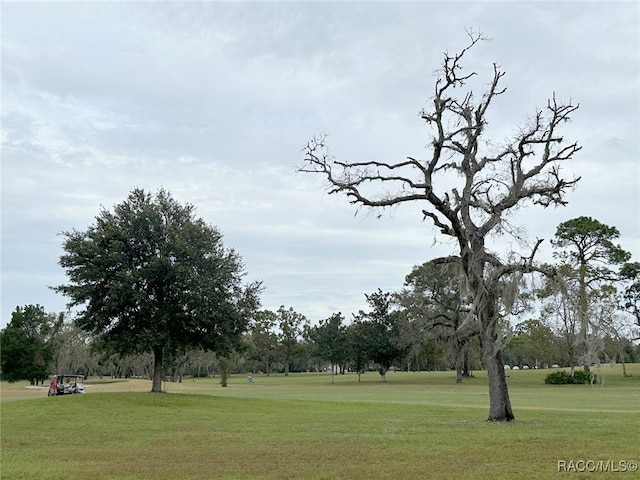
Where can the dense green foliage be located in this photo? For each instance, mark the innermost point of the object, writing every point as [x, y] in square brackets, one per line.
[382, 325]
[588, 244]
[534, 344]
[330, 341]
[579, 377]
[27, 344]
[261, 342]
[151, 277]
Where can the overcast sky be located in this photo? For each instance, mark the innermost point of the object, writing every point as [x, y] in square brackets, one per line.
[215, 101]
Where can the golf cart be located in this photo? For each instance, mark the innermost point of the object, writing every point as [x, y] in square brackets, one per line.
[70, 384]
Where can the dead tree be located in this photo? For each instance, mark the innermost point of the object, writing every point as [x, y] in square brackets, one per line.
[490, 183]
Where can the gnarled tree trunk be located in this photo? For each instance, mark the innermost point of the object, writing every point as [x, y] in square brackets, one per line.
[486, 303]
[499, 402]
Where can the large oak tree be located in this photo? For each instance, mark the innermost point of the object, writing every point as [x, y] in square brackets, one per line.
[467, 186]
[151, 277]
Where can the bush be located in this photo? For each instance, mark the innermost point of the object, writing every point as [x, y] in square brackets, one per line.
[580, 377]
[558, 378]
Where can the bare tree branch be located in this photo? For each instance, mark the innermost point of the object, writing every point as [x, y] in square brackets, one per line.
[526, 169]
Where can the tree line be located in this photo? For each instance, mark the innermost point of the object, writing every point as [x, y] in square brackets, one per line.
[428, 324]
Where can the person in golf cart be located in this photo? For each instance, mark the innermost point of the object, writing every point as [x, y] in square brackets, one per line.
[53, 386]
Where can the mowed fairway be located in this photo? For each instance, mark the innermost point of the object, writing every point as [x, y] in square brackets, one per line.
[416, 426]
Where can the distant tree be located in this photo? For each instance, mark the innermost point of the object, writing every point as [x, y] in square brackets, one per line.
[21, 357]
[152, 277]
[381, 328]
[419, 343]
[630, 302]
[26, 344]
[291, 325]
[330, 341]
[201, 362]
[177, 366]
[72, 351]
[533, 343]
[611, 323]
[557, 311]
[434, 298]
[358, 351]
[468, 187]
[123, 366]
[226, 364]
[586, 247]
[263, 340]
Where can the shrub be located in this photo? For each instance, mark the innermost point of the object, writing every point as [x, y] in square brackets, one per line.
[558, 378]
[562, 378]
[582, 377]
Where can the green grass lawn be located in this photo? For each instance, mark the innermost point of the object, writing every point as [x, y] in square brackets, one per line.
[415, 426]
